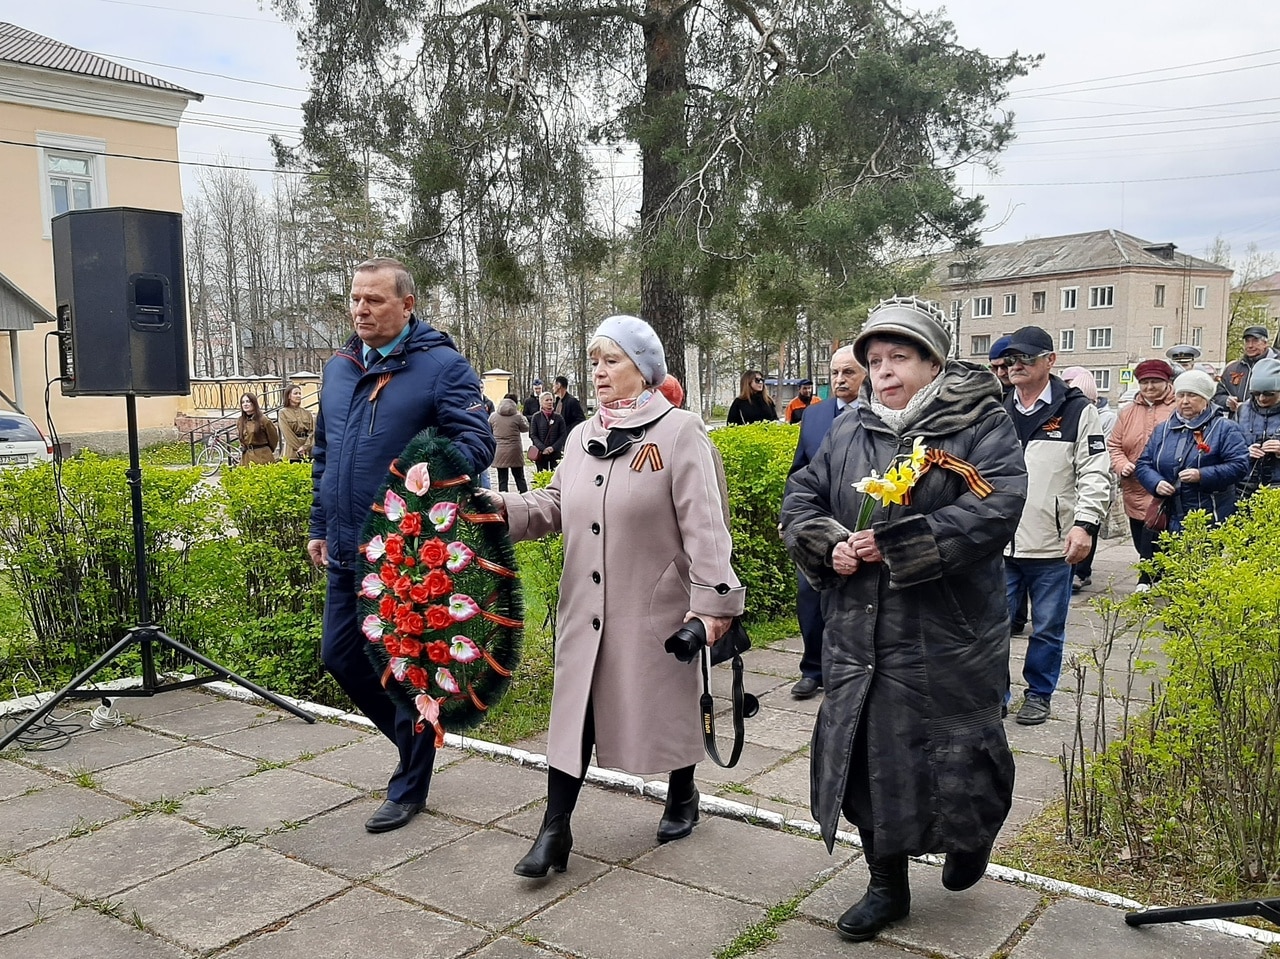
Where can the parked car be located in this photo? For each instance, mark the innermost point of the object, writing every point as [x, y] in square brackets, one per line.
[21, 442]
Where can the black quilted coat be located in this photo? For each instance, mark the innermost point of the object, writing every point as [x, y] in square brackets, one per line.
[916, 649]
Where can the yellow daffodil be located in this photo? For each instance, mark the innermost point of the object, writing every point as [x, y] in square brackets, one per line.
[893, 487]
[917, 454]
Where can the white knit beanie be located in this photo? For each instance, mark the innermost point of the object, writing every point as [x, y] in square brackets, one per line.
[1195, 381]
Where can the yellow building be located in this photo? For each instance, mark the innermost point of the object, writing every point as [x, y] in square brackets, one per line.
[76, 131]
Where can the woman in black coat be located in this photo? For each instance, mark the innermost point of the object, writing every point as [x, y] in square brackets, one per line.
[547, 432]
[909, 742]
[753, 403]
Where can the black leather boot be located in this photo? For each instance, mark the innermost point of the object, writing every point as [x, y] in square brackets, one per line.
[549, 851]
[962, 869]
[887, 900]
[679, 816]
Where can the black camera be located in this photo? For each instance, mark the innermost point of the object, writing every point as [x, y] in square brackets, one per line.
[687, 641]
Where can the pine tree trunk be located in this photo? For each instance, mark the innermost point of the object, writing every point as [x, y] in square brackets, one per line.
[666, 44]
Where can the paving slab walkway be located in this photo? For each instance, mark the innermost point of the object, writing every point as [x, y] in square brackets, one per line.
[213, 827]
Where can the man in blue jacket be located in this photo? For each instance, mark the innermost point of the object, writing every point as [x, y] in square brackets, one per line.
[394, 378]
[846, 381]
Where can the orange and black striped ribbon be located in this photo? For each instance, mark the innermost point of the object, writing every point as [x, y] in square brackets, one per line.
[966, 471]
[648, 454]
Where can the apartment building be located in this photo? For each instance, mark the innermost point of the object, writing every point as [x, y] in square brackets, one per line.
[1109, 300]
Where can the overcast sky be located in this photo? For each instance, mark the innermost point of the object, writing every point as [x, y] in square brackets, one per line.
[1158, 118]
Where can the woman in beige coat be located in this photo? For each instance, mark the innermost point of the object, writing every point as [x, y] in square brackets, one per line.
[638, 498]
[258, 435]
[1137, 421]
[508, 423]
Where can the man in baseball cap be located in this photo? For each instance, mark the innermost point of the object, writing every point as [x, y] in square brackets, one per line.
[1067, 472]
[1235, 378]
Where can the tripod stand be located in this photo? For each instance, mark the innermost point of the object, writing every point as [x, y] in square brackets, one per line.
[1268, 909]
[147, 634]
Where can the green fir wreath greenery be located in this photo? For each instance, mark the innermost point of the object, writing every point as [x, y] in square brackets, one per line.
[440, 598]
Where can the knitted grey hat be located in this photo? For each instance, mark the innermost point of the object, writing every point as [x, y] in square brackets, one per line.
[1265, 376]
[640, 343]
[1195, 381]
[910, 317]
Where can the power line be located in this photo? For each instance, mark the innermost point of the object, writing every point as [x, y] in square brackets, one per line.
[1158, 179]
[1143, 83]
[1145, 111]
[196, 13]
[1140, 73]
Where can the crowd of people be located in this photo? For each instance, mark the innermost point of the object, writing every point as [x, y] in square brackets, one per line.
[928, 502]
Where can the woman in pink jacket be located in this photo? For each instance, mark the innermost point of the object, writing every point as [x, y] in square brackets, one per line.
[1136, 423]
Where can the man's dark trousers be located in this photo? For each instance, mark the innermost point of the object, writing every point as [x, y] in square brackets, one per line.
[809, 612]
[343, 652]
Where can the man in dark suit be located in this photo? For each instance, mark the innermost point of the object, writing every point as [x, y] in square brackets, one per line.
[846, 381]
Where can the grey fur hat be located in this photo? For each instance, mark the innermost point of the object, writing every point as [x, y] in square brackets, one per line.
[1265, 376]
[910, 317]
[638, 340]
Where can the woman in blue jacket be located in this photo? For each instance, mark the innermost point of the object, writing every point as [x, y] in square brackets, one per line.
[1195, 457]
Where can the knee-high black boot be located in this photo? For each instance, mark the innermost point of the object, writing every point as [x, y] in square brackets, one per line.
[888, 899]
[681, 811]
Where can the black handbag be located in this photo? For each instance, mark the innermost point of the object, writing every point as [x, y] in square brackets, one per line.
[729, 649]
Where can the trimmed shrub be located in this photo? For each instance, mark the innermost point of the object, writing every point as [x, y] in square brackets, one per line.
[756, 461]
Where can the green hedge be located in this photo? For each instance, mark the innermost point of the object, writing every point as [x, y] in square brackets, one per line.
[756, 461]
[230, 577]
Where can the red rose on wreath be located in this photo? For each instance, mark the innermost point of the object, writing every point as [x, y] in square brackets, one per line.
[438, 583]
[395, 549]
[410, 648]
[402, 586]
[411, 525]
[438, 652]
[438, 618]
[416, 676]
[388, 574]
[420, 594]
[409, 623]
[434, 553]
[386, 607]
[393, 646]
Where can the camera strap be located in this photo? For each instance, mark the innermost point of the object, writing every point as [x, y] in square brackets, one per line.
[745, 705]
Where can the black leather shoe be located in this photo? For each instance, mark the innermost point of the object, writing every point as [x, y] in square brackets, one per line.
[393, 815]
[678, 818]
[1016, 628]
[963, 869]
[888, 899]
[806, 688]
[549, 851]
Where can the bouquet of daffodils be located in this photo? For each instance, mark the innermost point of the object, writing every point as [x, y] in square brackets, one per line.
[895, 486]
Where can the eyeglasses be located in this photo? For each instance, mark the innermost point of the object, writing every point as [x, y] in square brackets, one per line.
[1024, 359]
[757, 380]
[998, 366]
[1269, 394]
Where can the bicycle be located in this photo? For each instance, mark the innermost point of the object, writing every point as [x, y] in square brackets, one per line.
[218, 451]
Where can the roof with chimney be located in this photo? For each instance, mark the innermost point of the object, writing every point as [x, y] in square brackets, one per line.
[34, 50]
[1074, 253]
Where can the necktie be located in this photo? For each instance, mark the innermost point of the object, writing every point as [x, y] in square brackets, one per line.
[841, 409]
[370, 354]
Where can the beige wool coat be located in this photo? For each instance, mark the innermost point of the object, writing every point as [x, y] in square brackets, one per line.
[645, 540]
[508, 425]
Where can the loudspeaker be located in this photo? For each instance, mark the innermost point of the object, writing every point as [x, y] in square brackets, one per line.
[122, 302]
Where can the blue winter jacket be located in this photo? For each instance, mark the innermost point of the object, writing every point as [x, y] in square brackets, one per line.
[1258, 426]
[368, 416]
[1172, 448]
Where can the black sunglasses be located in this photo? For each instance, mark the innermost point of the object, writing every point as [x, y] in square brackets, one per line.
[1267, 393]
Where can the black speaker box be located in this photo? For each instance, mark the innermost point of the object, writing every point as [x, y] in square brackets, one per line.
[122, 302]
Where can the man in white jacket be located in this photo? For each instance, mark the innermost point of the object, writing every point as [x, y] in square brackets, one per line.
[1068, 491]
